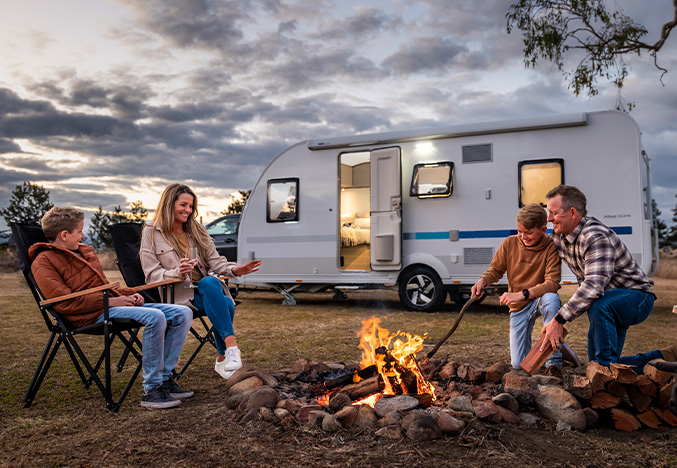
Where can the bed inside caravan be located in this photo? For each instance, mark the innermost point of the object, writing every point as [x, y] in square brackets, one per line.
[355, 232]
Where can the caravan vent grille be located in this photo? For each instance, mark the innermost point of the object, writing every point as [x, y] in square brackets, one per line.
[477, 255]
[477, 153]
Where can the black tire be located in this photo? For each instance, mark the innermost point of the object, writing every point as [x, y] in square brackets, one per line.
[461, 298]
[421, 290]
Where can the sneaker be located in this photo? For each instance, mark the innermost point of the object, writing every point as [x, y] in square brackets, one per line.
[174, 390]
[233, 359]
[554, 371]
[158, 398]
[669, 354]
[219, 368]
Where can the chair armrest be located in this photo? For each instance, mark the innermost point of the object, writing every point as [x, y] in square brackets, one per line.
[85, 292]
[158, 284]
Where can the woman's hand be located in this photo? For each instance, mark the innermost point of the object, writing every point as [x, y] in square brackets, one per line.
[249, 267]
[186, 265]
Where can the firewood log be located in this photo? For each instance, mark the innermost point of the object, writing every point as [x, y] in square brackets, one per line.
[623, 373]
[665, 393]
[598, 375]
[646, 386]
[604, 400]
[536, 358]
[658, 376]
[354, 377]
[579, 386]
[624, 420]
[666, 416]
[363, 389]
[615, 388]
[639, 401]
[649, 419]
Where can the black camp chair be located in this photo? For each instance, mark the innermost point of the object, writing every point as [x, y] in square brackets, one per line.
[62, 332]
[126, 240]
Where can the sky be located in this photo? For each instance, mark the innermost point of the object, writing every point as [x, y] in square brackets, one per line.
[105, 102]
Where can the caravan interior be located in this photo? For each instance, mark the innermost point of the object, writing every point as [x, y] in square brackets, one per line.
[355, 211]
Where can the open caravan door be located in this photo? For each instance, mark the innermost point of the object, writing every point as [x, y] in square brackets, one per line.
[386, 209]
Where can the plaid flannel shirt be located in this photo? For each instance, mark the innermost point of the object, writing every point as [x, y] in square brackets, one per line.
[600, 261]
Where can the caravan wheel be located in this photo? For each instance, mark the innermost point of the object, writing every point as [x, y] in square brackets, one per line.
[422, 290]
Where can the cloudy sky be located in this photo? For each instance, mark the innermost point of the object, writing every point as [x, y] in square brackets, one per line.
[104, 102]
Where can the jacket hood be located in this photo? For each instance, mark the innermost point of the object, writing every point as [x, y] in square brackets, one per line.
[542, 244]
[35, 249]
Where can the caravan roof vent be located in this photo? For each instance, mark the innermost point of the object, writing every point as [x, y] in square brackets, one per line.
[477, 255]
[477, 153]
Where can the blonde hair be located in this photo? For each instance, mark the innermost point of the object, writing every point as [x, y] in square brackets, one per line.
[59, 219]
[164, 219]
[532, 215]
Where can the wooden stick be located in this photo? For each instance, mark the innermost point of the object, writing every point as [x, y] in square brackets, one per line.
[453, 328]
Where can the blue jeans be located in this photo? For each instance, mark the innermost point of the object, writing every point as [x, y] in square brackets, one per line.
[210, 299]
[165, 327]
[522, 325]
[610, 317]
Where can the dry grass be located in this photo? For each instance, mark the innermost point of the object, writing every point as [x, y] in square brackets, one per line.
[667, 264]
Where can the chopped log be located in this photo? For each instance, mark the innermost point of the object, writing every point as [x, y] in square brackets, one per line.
[579, 386]
[639, 401]
[604, 400]
[425, 400]
[646, 386]
[624, 420]
[649, 419]
[536, 358]
[363, 389]
[665, 393]
[598, 375]
[354, 377]
[666, 416]
[658, 376]
[615, 388]
[623, 373]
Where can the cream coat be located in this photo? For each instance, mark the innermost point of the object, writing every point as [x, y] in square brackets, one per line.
[161, 262]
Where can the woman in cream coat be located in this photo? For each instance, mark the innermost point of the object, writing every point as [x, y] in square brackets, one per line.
[165, 247]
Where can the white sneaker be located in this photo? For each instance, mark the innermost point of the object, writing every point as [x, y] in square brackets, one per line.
[219, 368]
[233, 359]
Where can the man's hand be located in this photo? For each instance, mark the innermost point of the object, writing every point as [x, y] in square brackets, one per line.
[126, 301]
[508, 298]
[554, 334]
[478, 288]
[249, 267]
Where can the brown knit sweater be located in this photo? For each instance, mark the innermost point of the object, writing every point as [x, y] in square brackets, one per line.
[537, 268]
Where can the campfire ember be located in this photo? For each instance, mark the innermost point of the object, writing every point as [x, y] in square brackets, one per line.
[394, 355]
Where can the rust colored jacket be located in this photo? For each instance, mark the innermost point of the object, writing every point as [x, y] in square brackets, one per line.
[59, 272]
[538, 267]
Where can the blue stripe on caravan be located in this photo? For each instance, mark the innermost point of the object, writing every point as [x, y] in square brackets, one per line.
[497, 233]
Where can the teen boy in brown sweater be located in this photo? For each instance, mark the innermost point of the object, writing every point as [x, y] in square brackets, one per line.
[534, 271]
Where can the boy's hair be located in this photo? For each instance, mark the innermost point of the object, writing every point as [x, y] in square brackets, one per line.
[60, 219]
[532, 216]
[572, 197]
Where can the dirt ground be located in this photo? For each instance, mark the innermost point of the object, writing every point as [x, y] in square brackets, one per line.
[68, 426]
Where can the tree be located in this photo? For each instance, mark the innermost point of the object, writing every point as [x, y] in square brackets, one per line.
[237, 205]
[659, 224]
[671, 237]
[552, 29]
[29, 202]
[98, 233]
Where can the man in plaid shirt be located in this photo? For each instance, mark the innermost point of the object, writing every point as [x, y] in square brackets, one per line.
[613, 289]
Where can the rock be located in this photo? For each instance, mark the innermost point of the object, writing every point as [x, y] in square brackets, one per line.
[461, 403]
[315, 417]
[251, 416]
[281, 413]
[528, 419]
[520, 385]
[547, 379]
[304, 411]
[448, 424]
[462, 415]
[244, 385]
[289, 422]
[591, 417]
[449, 370]
[338, 401]
[508, 401]
[389, 432]
[293, 406]
[397, 403]
[302, 365]
[557, 404]
[392, 418]
[486, 409]
[562, 426]
[331, 424]
[235, 400]
[267, 414]
[247, 372]
[366, 417]
[260, 397]
[429, 365]
[507, 415]
[478, 393]
[347, 415]
[496, 371]
[319, 367]
[336, 366]
[420, 426]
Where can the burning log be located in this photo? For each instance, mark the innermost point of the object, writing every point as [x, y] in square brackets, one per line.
[363, 389]
[354, 377]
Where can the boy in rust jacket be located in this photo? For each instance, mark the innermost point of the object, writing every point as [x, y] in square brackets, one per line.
[64, 266]
[534, 271]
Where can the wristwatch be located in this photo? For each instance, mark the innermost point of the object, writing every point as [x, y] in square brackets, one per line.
[526, 293]
[560, 319]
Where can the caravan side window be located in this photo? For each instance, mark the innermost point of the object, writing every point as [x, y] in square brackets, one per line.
[432, 180]
[282, 200]
[537, 177]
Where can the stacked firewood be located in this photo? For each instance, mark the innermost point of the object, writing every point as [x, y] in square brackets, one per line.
[627, 399]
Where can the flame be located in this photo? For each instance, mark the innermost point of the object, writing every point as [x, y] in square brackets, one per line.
[370, 400]
[323, 399]
[394, 354]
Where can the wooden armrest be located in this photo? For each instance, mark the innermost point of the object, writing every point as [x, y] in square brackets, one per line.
[85, 292]
[158, 284]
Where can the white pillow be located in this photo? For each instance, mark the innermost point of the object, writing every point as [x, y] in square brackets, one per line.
[348, 218]
[363, 223]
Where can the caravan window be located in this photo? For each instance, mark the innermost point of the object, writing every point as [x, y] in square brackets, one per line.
[536, 178]
[282, 203]
[432, 180]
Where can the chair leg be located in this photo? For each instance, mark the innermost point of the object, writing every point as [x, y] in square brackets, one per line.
[125, 353]
[208, 338]
[41, 371]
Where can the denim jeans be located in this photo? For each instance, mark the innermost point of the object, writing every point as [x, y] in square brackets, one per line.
[610, 317]
[210, 299]
[522, 325]
[165, 327]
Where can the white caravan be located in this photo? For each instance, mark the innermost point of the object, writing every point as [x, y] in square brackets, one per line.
[425, 210]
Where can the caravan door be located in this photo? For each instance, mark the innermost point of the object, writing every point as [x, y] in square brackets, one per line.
[386, 209]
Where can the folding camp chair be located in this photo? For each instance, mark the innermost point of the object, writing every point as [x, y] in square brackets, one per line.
[126, 240]
[26, 235]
